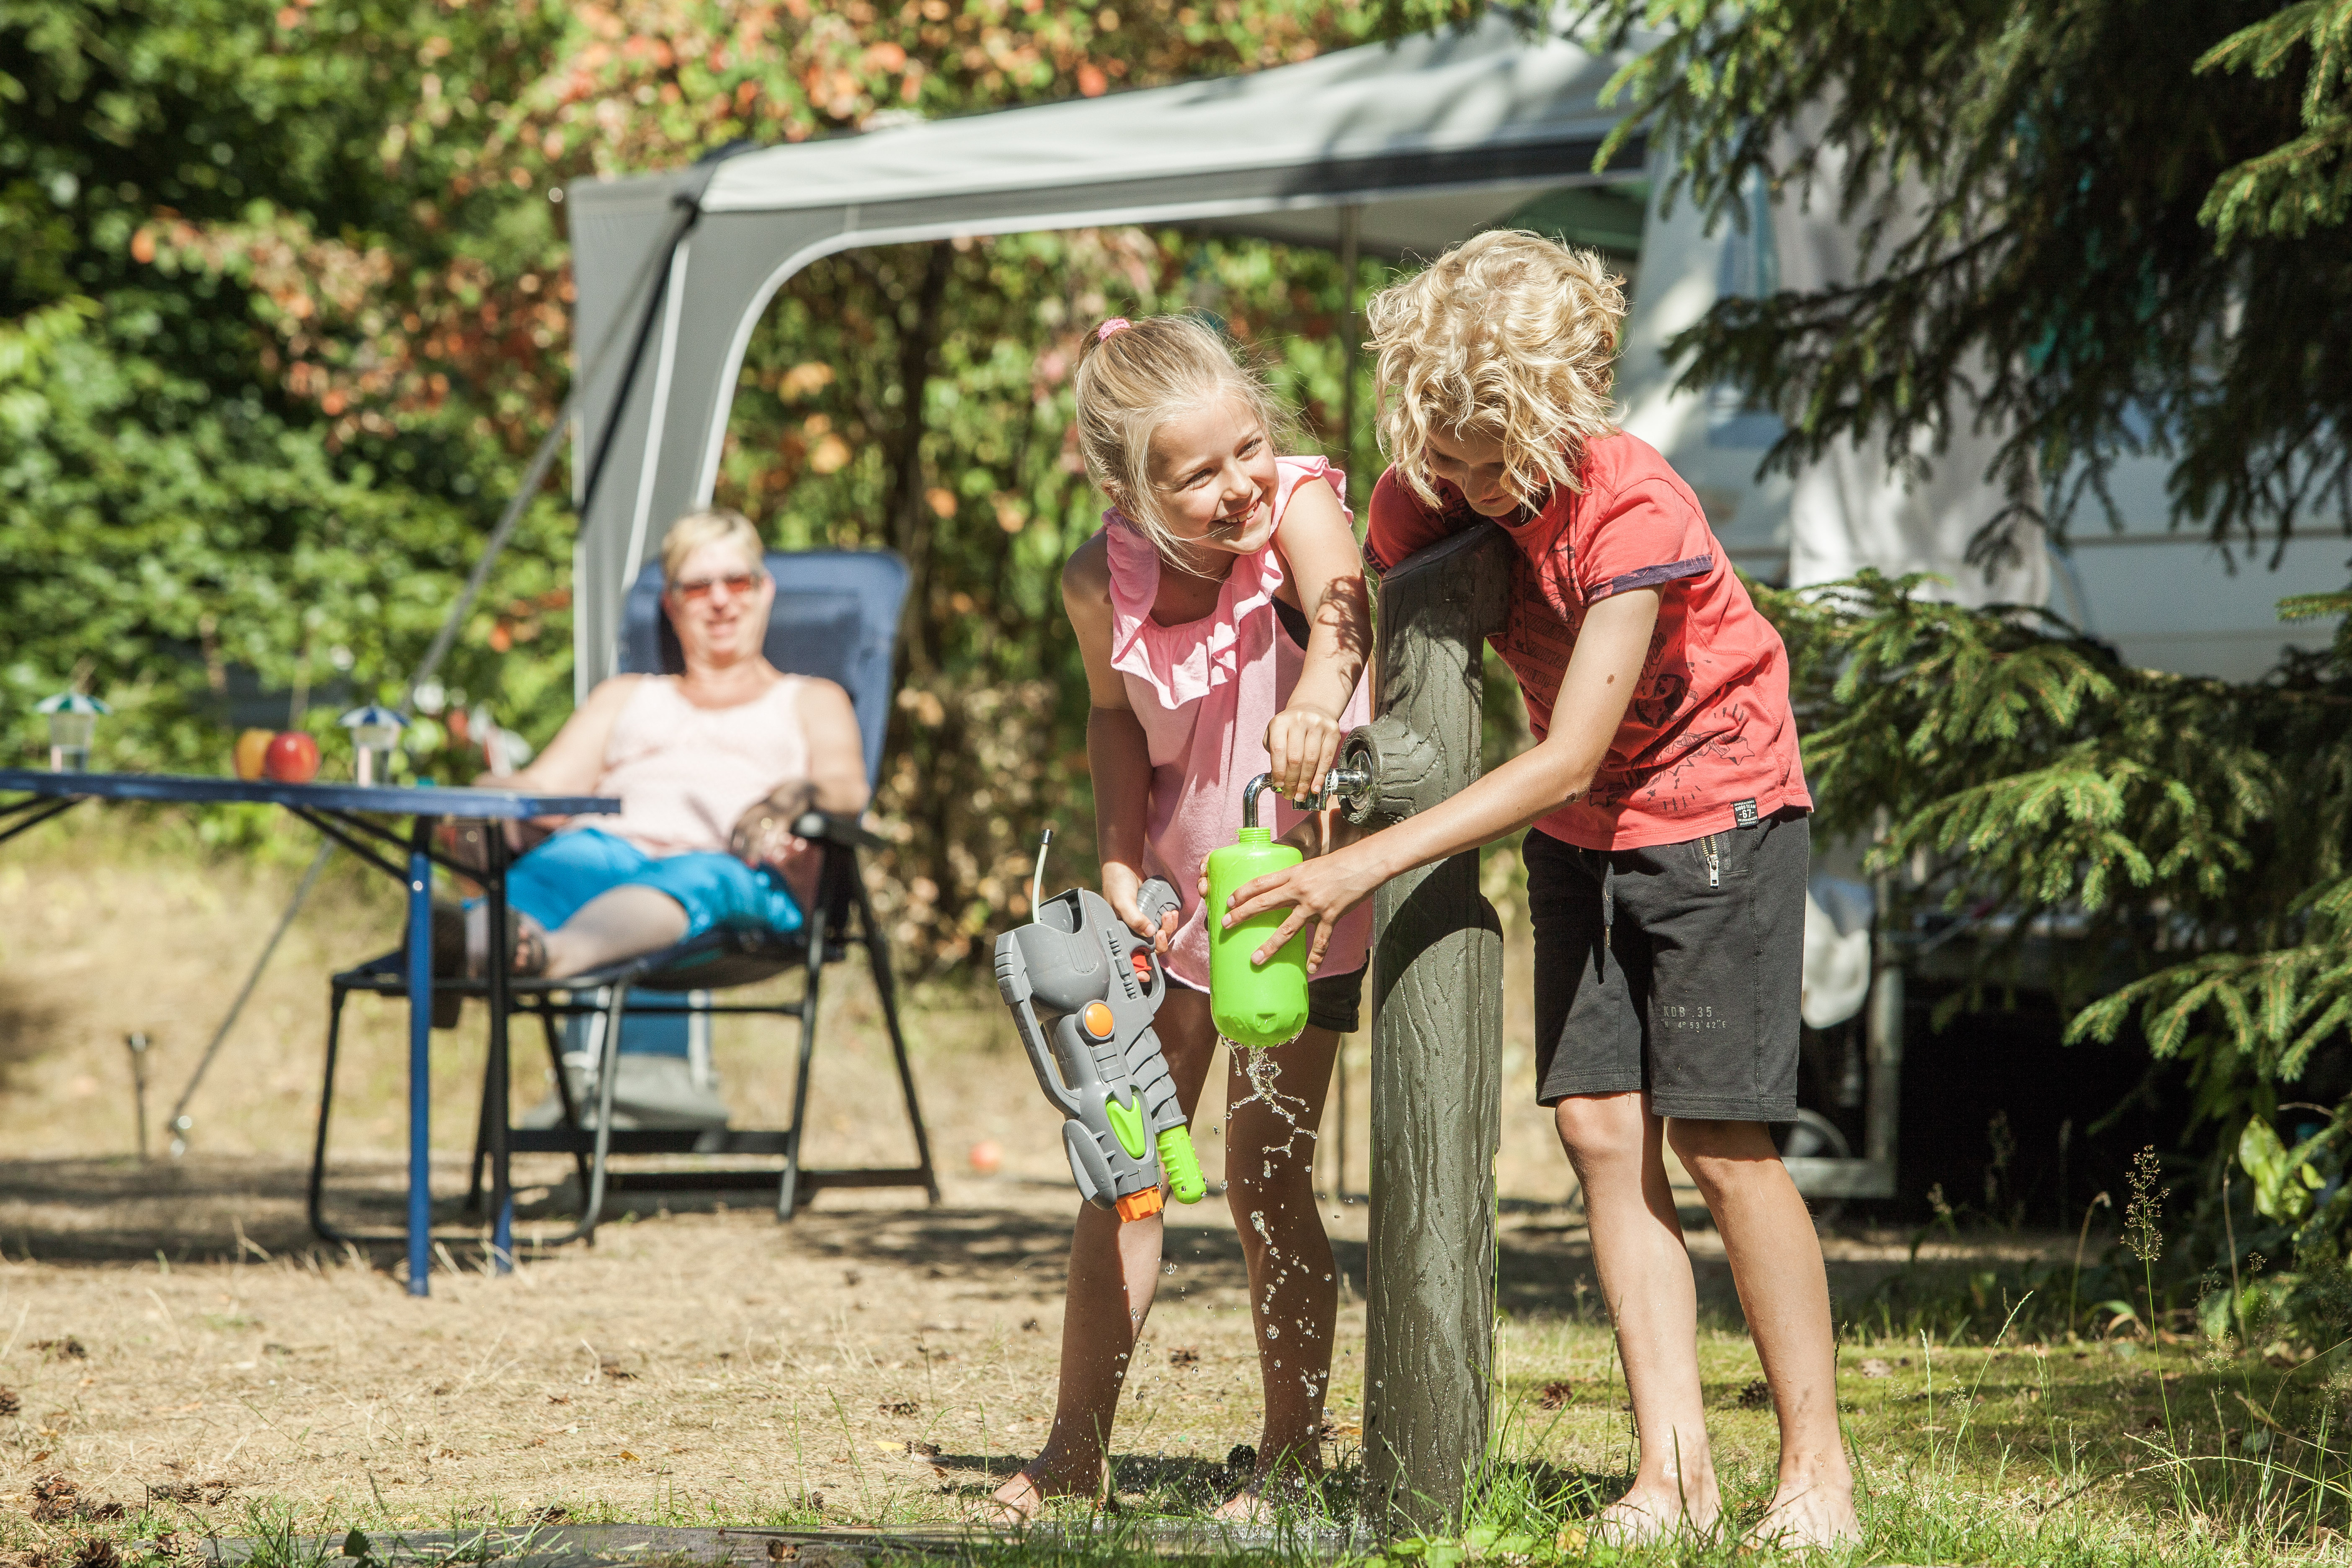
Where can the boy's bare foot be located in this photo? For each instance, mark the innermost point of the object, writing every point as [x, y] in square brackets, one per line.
[1806, 1515]
[1023, 1498]
[1643, 1515]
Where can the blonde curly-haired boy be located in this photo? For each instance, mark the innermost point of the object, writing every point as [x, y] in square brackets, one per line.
[1667, 852]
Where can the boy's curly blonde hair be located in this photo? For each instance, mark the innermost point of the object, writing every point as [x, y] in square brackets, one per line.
[1508, 337]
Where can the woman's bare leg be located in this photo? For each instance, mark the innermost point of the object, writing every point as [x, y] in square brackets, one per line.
[1114, 1271]
[1775, 1261]
[1617, 1148]
[1276, 1100]
[618, 923]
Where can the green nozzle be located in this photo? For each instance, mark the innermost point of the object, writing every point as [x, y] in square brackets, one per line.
[1182, 1166]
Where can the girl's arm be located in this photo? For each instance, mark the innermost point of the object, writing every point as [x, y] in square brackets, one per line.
[1319, 551]
[1599, 680]
[1117, 753]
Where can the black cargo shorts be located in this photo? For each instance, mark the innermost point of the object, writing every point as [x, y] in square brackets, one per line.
[1674, 969]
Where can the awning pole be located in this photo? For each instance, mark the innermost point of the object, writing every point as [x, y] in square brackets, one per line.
[1351, 219]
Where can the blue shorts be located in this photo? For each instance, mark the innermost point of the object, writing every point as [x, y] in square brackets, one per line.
[552, 881]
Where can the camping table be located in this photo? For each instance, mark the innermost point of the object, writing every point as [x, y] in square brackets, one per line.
[344, 813]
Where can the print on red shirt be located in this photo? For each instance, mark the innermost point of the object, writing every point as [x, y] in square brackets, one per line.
[1708, 729]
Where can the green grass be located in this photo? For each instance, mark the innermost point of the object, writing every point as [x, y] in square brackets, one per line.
[2091, 1454]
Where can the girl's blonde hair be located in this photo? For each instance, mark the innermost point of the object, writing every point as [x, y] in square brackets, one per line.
[1135, 377]
[713, 525]
[1507, 337]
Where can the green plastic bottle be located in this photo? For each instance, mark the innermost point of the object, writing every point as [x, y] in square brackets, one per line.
[1254, 1004]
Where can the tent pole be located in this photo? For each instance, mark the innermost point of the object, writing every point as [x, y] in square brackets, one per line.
[1351, 218]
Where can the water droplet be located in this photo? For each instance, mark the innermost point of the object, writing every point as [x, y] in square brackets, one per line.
[1273, 1332]
[1168, 1268]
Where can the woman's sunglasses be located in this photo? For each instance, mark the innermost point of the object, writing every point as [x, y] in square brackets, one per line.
[697, 588]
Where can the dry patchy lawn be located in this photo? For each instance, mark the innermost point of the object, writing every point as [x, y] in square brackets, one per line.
[169, 1332]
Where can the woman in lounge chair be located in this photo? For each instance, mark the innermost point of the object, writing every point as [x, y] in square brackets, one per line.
[710, 766]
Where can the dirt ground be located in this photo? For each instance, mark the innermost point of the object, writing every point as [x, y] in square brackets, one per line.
[170, 1328]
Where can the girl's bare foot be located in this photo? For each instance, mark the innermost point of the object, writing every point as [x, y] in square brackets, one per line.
[1023, 1498]
[1284, 1484]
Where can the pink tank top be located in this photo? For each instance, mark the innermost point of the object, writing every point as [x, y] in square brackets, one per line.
[686, 775]
[1204, 692]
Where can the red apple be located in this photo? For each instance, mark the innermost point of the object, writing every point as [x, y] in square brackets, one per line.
[986, 1157]
[250, 746]
[292, 757]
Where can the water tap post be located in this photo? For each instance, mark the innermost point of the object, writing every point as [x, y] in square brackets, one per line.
[1437, 1043]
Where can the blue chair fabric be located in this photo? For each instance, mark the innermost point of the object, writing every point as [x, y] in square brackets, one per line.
[836, 616]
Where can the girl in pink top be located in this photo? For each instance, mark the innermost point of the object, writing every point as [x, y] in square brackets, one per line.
[1222, 616]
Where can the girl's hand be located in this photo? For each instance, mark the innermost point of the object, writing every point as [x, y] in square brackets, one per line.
[1303, 742]
[1122, 889]
[1321, 890]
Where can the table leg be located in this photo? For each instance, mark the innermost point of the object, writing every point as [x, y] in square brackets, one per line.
[420, 1060]
[494, 839]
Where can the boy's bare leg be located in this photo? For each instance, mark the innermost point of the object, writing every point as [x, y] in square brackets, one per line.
[1775, 1261]
[1270, 1134]
[1114, 1271]
[1617, 1148]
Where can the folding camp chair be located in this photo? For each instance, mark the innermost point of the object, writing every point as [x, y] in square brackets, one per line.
[836, 614]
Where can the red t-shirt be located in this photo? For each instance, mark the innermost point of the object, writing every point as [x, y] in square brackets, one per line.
[1709, 742]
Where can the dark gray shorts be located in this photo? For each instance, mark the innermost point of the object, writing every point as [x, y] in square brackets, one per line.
[1673, 969]
[1334, 1002]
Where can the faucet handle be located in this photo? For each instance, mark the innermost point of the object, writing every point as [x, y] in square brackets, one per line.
[1343, 786]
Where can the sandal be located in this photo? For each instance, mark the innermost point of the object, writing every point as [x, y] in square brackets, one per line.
[451, 959]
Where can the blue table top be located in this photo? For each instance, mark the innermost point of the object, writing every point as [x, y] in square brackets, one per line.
[401, 800]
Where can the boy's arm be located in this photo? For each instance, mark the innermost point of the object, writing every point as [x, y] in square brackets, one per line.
[1119, 754]
[1318, 550]
[1598, 682]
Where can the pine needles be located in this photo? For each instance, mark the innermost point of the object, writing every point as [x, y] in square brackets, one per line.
[2191, 832]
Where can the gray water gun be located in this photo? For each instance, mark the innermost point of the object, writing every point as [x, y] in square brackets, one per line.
[1084, 990]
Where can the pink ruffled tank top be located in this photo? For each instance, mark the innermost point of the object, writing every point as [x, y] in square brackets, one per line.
[1204, 692]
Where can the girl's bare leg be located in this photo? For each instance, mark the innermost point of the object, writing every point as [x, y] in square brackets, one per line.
[1276, 1111]
[1775, 1261]
[1113, 1270]
[1617, 1148]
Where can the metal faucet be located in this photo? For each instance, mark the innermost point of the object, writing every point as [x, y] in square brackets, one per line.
[1341, 786]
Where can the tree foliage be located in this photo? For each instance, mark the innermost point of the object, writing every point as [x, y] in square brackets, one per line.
[286, 303]
[2098, 227]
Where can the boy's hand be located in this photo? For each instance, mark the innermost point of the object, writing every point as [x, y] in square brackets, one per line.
[1302, 742]
[1319, 890]
[1122, 889]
